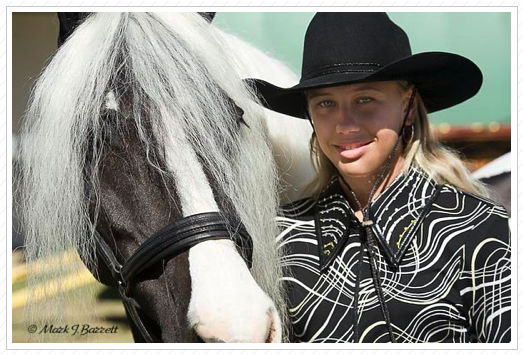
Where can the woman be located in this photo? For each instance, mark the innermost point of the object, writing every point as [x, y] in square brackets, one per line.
[396, 242]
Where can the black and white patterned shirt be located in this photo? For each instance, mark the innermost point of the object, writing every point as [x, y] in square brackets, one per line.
[444, 265]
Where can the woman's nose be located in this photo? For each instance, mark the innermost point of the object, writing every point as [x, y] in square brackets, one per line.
[347, 122]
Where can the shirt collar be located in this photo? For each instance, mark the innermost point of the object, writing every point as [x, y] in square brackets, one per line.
[397, 214]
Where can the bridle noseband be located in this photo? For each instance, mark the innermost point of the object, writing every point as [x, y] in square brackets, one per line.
[169, 242]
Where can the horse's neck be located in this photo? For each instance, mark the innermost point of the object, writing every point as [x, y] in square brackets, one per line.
[291, 151]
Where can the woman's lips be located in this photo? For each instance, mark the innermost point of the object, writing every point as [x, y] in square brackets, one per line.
[352, 150]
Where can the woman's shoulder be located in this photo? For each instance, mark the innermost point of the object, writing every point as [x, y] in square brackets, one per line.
[302, 208]
[450, 193]
[479, 215]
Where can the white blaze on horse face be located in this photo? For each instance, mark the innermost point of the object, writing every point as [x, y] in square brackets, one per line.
[193, 189]
[226, 303]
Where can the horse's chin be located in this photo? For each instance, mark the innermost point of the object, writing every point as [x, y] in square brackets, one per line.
[270, 333]
[240, 312]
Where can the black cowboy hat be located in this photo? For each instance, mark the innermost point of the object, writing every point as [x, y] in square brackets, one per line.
[348, 48]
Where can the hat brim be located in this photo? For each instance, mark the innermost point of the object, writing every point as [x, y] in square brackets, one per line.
[443, 80]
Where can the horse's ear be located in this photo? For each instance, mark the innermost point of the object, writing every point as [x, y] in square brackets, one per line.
[209, 16]
[68, 22]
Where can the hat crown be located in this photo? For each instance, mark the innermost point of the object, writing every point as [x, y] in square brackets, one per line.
[351, 42]
[350, 48]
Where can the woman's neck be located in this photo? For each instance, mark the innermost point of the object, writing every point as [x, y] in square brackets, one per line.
[362, 186]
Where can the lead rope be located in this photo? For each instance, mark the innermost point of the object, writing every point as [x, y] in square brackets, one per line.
[367, 224]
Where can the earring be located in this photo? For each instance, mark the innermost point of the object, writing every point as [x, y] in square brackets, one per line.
[407, 138]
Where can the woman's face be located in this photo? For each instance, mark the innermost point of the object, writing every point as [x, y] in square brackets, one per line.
[357, 125]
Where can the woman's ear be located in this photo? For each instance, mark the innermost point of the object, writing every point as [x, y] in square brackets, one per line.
[411, 115]
[411, 118]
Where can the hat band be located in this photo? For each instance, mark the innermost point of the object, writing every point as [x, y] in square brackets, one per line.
[341, 68]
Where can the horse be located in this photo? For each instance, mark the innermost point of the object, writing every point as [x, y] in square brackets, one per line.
[139, 122]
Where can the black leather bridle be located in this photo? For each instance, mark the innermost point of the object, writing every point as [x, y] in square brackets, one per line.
[169, 242]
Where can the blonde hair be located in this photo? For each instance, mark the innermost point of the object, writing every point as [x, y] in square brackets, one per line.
[439, 162]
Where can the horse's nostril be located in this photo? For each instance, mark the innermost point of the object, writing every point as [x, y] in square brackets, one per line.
[270, 338]
[275, 330]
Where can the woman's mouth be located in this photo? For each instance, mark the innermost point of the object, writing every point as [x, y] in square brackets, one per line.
[352, 150]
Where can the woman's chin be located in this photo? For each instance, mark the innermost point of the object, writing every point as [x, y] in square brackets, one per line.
[355, 170]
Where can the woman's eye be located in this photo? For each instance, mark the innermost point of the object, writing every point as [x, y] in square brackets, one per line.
[364, 100]
[326, 103]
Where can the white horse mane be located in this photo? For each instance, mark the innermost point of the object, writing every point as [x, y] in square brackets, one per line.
[291, 150]
[175, 64]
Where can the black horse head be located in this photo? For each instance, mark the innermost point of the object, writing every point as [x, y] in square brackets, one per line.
[158, 139]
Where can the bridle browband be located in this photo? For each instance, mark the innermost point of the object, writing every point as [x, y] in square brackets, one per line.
[167, 243]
